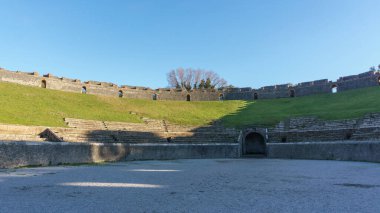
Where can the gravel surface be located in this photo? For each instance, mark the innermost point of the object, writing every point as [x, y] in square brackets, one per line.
[219, 185]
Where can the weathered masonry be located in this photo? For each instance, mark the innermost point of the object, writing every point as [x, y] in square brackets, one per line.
[324, 86]
[103, 88]
[313, 129]
[313, 138]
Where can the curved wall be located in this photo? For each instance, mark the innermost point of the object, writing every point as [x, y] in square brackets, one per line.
[104, 88]
[324, 86]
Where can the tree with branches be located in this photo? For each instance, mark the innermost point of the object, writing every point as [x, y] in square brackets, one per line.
[189, 79]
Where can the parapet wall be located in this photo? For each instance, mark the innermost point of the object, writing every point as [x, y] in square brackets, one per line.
[344, 150]
[324, 86]
[18, 154]
[104, 88]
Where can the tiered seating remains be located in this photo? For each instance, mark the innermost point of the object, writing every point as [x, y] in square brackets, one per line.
[150, 131]
[20, 133]
[368, 128]
[204, 134]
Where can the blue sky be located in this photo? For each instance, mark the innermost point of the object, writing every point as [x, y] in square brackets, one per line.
[136, 42]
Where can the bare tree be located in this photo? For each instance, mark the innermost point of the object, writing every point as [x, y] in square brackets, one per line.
[197, 75]
[194, 79]
[172, 79]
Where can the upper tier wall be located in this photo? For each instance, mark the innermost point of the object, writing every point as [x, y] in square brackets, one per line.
[324, 86]
[104, 88]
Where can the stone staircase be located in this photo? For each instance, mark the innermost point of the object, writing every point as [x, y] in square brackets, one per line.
[306, 129]
[20, 133]
[150, 131]
[367, 128]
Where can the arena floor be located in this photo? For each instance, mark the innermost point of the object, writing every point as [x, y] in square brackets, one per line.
[220, 185]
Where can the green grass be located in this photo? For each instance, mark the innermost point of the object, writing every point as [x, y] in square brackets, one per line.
[344, 105]
[35, 106]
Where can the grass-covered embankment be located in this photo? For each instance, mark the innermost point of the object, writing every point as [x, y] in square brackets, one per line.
[344, 105]
[35, 106]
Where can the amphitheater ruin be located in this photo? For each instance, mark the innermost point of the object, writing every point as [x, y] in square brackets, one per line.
[324, 86]
[87, 141]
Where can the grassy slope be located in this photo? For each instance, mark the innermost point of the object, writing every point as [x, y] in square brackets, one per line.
[36, 106]
[344, 105]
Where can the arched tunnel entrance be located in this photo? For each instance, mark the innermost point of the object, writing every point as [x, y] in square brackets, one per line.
[254, 144]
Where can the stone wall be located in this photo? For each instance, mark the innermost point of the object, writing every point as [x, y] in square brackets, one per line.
[312, 129]
[324, 86]
[367, 79]
[104, 88]
[342, 150]
[18, 154]
[182, 151]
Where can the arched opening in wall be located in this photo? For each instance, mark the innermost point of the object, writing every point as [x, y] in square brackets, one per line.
[292, 93]
[284, 139]
[334, 89]
[84, 90]
[188, 98]
[43, 84]
[221, 97]
[254, 143]
[154, 97]
[255, 96]
[120, 94]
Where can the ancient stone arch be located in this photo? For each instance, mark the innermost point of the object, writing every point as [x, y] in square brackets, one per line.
[255, 96]
[334, 88]
[84, 90]
[254, 143]
[43, 83]
[188, 97]
[221, 97]
[292, 93]
[121, 94]
[154, 97]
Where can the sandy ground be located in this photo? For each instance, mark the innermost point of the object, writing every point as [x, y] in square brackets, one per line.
[220, 185]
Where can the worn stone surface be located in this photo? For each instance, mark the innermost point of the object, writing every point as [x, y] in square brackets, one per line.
[324, 86]
[104, 88]
[311, 129]
[350, 151]
[220, 185]
[182, 151]
[18, 154]
[151, 131]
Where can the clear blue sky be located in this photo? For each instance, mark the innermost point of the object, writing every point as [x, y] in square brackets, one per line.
[136, 42]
